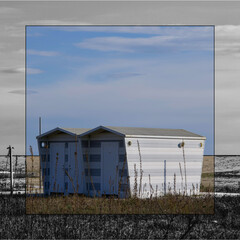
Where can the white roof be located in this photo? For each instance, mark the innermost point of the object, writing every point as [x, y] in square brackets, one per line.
[127, 132]
[144, 132]
[70, 131]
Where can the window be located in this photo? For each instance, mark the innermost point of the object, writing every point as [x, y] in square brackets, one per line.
[66, 158]
[66, 145]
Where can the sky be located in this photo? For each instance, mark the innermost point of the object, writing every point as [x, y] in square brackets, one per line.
[14, 16]
[136, 76]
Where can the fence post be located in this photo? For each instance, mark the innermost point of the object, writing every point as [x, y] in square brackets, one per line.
[11, 169]
[164, 177]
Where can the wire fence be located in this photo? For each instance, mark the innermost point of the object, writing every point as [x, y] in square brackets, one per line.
[19, 173]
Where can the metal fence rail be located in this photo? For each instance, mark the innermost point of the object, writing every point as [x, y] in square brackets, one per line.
[18, 181]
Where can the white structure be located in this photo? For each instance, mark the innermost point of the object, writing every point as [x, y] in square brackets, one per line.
[121, 161]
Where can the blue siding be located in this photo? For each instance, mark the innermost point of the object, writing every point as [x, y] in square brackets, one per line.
[92, 158]
[124, 187]
[94, 186]
[84, 143]
[93, 172]
[123, 173]
[122, 157]
[97, 143]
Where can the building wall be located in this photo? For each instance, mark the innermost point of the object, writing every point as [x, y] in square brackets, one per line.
[87, 172]
[92, 155]
[64, 172]
[153, 152]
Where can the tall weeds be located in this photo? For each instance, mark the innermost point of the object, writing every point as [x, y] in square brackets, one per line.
[121, 177]
[135, 188]
[185, 170]
[76, 163]
[55, 176]
[141, 171]
[181, 176]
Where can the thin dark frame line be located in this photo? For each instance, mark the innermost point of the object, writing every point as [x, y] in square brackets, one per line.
[133, 25]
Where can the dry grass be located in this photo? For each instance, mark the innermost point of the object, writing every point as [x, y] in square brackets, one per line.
[75, 204]
[32, 175]
[207, 179]
[223, 224]
[169, 204]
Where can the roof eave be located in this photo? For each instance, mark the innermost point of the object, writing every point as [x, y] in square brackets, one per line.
[166, 137]
[55, 130]
[101, 127]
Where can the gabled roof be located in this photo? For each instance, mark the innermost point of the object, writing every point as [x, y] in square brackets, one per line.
[127, 132]
[70, 131]
[144, 132]
[76, 131]
[154, 131]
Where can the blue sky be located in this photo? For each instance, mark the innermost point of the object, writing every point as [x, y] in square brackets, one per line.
[145, 76]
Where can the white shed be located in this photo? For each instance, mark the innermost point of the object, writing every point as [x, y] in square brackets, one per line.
[126, 160]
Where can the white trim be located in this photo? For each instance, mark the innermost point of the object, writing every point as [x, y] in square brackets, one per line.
[98, 128]
[163, 137]
[55, 130]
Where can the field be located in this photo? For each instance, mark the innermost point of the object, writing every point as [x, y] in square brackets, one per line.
[19, 173]
[33, 181]
[207, 181]
[170, 204]
[224, 224]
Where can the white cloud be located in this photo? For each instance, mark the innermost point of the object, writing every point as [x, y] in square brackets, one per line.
[9, 10]
[42, 53]
[227, 40]
[13, 70]
[157, 30]
[149, 92]
[36, 34]
[33, 71]
[122, 44]
[22, 91]
[227, 87]
[50, 22]
[20, 70]
[191, 41]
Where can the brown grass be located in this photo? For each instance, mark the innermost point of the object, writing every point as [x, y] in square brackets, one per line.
[74, 204]
[32, 174]
[207, 179]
